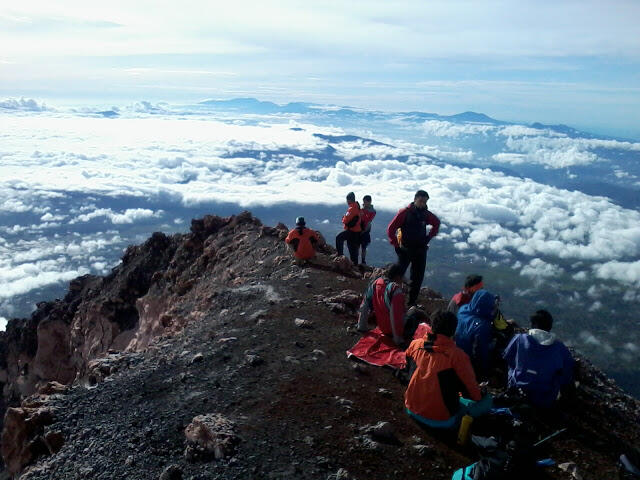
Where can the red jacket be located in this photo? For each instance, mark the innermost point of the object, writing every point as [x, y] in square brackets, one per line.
[431, 387]
[401, 217]
[368, 214]
[302, 240]
[390, 320]
[351, 219]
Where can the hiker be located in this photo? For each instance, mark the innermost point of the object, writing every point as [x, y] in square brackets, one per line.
[302, 240]
[352, 229]
[412, 242]
[385, 296]
[472, 284]
[474, 334]
[442, 374]
[539, 364]
[368, 214]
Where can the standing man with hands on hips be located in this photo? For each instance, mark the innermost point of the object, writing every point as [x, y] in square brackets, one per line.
[407, 232]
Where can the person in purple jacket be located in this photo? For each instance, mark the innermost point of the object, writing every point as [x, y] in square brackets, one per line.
[539, 365]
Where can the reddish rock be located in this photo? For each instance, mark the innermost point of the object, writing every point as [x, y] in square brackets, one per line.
[212, 434]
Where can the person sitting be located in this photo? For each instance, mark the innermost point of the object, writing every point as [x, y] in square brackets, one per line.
[474, 333]
[472, 284]
[442, 374]
[302, 240]
[386, 297]
[538, 364]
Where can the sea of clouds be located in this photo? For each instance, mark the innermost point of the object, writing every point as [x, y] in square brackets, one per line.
[57, 167]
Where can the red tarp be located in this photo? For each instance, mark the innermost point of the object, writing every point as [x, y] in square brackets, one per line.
[378, 349]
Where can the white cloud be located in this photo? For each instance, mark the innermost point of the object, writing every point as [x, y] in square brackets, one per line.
[440, 128]
[626, 272]
[28, 104]
[129, 216]
[3, 323]
[540, 269]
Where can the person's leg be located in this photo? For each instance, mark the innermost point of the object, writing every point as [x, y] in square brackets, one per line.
[340, 239]
[365, 240]
[479, 408]
[418, 258]
[403, 258]
[353, 244]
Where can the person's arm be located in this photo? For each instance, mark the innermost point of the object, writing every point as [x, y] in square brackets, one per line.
[396, 313]
[435, 225]
[510, 352]
[313, 238]
[351, 217]
[480, 348]
[567, 367]
[289, 236]
[394, 225]
[464, 370]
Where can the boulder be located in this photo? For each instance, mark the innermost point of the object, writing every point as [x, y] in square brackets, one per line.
[211, 435]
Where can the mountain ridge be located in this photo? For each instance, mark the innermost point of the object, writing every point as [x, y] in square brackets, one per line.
[207, 323]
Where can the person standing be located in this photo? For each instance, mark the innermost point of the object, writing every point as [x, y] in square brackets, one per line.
[413, 241]
[352, 229]
[368, 214]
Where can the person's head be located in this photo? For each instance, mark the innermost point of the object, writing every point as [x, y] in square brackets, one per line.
[420, 199]
[542, 320]
[473, 281]
[395, 273]
[300, 222]
[351, 197]
[444, 323]
[366, 200]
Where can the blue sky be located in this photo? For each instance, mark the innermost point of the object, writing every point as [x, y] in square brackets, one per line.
[573, 62]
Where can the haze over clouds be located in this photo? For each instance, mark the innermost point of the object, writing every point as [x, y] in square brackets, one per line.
[555, 62]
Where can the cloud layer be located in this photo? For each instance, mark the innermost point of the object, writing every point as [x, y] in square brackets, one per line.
[188, 158]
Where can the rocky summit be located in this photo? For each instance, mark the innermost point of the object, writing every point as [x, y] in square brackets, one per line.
[212, 355]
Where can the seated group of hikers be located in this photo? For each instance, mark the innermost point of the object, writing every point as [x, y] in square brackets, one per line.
[461, 346]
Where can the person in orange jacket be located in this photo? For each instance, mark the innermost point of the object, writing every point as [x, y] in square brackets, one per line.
[443, 373]
[351, 222]
[302, 240]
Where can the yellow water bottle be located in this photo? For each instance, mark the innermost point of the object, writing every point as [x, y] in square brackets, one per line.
[465, 430]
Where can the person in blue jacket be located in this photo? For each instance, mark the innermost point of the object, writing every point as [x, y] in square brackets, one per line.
[538, 364]
[474, 334]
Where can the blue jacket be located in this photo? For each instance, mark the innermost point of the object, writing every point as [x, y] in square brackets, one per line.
[538, 364]
[474, 333]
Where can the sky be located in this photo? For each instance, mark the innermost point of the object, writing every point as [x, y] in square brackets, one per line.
[572, 62]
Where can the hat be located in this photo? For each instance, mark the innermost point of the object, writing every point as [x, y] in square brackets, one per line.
[300, 221]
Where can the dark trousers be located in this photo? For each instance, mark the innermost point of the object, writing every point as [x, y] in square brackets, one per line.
[417, 257]
[353, 244]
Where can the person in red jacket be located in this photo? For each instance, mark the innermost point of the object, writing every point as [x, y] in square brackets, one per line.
[472, 284]
[412, 248]
[352, 229]
[443, 386]
[368, 214]
[302, 240]
[385, 296]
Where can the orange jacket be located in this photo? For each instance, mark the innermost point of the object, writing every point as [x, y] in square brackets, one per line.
[443, 372]
[351, 219]
[302, 240]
